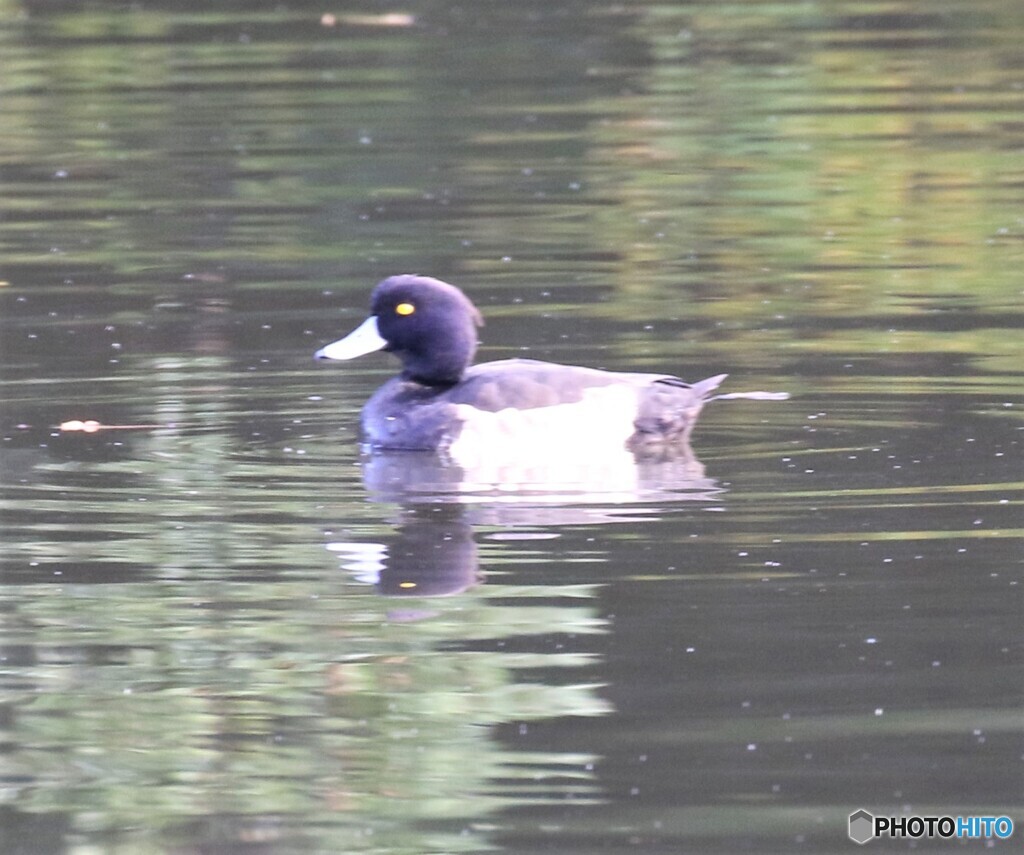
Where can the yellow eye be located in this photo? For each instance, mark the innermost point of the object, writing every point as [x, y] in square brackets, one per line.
[404, 309]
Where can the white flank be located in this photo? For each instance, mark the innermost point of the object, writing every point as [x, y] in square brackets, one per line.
[580, 445]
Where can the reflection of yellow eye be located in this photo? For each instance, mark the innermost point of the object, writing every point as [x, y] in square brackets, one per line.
[405, 309]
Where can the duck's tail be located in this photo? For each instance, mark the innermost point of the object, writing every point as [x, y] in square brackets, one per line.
[703, 388]
[670, 407]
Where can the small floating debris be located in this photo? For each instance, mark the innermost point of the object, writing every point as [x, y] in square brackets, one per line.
[390, 19]
[93, 426]
[90, 426]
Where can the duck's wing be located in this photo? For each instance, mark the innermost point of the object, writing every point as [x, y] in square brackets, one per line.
[527, 384]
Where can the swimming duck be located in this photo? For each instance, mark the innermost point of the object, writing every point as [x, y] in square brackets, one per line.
[441, 402]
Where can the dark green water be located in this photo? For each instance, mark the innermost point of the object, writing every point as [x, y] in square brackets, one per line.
[223, 631]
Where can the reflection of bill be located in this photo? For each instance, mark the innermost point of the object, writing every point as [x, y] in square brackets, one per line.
[432, 554]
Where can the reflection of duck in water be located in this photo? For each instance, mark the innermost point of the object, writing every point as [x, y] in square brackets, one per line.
[440, 403]
[538, 479]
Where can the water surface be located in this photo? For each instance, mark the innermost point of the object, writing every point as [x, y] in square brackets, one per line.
[225, 630]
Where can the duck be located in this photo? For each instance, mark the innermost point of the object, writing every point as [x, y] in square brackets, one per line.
[441, 402]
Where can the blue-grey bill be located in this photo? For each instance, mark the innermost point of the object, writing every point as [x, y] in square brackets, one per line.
[363, 339]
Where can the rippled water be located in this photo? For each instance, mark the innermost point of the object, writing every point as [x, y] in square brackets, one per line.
[226, 631]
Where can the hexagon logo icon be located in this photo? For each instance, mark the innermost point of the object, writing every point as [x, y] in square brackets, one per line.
[862, 826]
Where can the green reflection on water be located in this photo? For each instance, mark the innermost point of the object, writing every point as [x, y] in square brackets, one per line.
[281, 699]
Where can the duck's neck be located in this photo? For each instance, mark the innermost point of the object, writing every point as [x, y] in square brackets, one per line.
[440, 363]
